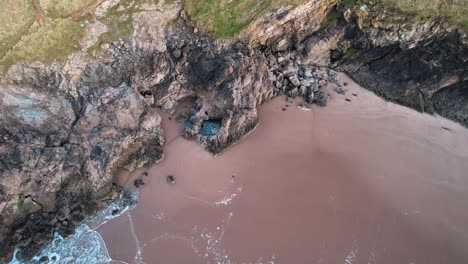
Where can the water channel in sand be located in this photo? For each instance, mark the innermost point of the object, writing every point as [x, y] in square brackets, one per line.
[359, 181]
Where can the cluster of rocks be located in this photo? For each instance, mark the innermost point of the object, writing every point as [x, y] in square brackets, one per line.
[181, 46]
[38, 229]
[294, 78]
[116, 48]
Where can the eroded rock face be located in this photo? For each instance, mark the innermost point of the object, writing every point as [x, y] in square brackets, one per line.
[66, 128]
[50, 139]
[421, 65]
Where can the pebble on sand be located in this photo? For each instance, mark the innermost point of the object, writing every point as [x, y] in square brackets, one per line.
[170, 179]
[138, 183]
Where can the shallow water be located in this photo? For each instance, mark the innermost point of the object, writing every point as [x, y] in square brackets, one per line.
[86, 245]
[359, 181]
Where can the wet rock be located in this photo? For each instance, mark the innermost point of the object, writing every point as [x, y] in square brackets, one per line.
[53, 221]
[44, 260]
[310, 96]
[303, 90]
[294, 92]
[77, 218]
[170, 179]
[304, 107]
[320, 99]
[66, 231]
[138, 183]
[334, 76]
[63, 213]
[182, 117]
[339, 90]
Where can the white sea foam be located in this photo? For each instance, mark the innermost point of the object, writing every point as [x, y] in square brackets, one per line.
[86, 246]
[228, 199]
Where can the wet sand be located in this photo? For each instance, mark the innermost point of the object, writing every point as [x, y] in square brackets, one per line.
[359, 181]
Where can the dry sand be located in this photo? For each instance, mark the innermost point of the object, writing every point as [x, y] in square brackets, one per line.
[360, 181]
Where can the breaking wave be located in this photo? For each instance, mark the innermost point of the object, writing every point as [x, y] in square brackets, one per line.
[86, 246]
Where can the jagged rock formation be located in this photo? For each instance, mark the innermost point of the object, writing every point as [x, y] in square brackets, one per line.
[423, 65]
[66, 128]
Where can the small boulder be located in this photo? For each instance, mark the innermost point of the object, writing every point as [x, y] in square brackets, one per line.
[138, 183]
[77, 218]
[339, 90]
[294, 92]
[334, 77]
[177, 53]
[303, 90]
[170, 179]
[304, 107]
[321, 99]
[44, 260]
[295, 81]
[63, 213]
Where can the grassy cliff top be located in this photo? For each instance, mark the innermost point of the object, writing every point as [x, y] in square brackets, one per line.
[456, 11]
[50, 30]
[39, 30]
[226, 18]
[419, 10]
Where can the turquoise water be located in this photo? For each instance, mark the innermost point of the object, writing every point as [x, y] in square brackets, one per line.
[188, 124]
[209, 128]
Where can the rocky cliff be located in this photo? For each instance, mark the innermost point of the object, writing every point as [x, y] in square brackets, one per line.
[67, 127]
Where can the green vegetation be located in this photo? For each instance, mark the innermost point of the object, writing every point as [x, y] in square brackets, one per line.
[52, 42]
[16, 17]
[63, 8]
[331, 18]
[226, 18]
[349, 52]
[454, 10]
[351, 3]
[27, 34]
[51, 31]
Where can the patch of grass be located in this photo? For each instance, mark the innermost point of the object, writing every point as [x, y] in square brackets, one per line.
[455, 11]
[353, 3]
[119, 20]
[52, 42]
[349, 52]
[119, 17]
[331, 18]
[16, 17]
[226, 18]
[63, 8]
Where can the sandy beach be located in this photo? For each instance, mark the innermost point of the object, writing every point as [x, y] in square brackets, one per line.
[359, 181]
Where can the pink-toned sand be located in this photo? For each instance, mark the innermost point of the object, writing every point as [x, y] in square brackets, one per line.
[364, 181]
